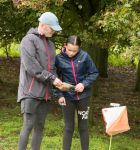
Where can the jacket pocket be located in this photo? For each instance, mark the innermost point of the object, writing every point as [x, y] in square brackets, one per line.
[36, 89]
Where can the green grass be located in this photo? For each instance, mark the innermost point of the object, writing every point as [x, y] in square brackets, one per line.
[115, 60]
[13, 52]
[11, 122]
[118, 60]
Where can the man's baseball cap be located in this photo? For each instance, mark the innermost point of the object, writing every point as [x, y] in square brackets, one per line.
[51, 20]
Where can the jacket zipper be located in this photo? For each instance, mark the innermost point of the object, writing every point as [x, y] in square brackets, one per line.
[74, 75]
[49, 68]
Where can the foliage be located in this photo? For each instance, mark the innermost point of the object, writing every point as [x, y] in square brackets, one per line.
[73, 14]
[118, 27]
[14, 22]
[118, 60]
[18, 18]
[113, 25]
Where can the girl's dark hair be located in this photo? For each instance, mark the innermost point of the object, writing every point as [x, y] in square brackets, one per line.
[74, 39]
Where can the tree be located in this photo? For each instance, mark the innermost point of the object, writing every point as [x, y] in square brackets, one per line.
[137, 85]
[114, 29]
[14, 23]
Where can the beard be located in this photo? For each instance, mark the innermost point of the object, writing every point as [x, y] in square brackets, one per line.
[49, 34]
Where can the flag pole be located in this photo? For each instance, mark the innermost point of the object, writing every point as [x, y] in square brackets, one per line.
[110, 142]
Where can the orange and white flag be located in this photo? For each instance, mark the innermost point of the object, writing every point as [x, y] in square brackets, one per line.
[116, 120]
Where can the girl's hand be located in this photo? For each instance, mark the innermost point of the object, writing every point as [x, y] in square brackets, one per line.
[62, 101]
[79, 87]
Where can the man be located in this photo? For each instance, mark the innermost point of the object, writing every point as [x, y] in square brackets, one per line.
[37, 74]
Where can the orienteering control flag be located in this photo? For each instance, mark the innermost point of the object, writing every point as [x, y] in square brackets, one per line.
[116, 120]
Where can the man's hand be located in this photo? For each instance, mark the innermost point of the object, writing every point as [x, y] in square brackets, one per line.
[62, 101]
[57, 82]
[65, 86]
[79, 87]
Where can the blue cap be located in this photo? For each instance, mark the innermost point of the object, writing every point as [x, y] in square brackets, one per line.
[51, 20]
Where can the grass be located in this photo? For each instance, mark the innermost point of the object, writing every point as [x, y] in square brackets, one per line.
[13, 51]
[11, 122]
[115, 60]
[118, 60]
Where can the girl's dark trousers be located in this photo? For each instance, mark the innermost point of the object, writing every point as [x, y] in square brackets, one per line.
[81, 107]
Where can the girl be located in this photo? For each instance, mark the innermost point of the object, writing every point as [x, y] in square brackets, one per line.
[76, 68]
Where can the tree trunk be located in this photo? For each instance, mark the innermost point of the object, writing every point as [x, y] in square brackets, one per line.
[1, 81]
[103, 63]
[94, 54]
[100, 57]
[137, 85]
[7, 48]
[94, 94]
